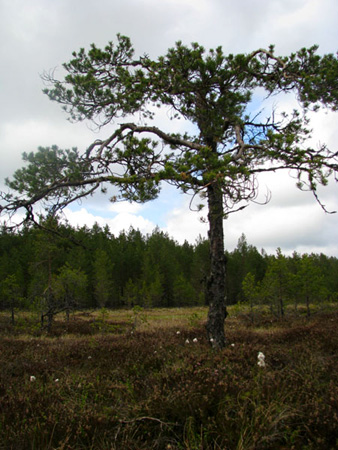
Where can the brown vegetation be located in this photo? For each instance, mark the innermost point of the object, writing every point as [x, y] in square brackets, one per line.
[103, 383]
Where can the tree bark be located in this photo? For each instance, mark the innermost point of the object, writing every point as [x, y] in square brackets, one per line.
[215, 289]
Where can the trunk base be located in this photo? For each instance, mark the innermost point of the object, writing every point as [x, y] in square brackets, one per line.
[215, 325]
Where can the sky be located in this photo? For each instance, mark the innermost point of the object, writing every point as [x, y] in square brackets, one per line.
[39, 35]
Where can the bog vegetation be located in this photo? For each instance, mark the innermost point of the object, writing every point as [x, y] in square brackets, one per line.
[147, 379]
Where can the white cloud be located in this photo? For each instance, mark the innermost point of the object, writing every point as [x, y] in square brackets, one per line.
[121, 222]
[183, 224]
[125, 207]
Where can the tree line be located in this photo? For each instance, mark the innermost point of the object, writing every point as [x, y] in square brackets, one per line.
[92, 268]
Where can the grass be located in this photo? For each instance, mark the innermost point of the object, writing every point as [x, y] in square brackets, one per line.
[106, 381]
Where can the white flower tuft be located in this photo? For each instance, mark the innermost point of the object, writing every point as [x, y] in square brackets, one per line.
[261, 359]
[32, 378]
[187, 341]
[195, 340]
[178, 332]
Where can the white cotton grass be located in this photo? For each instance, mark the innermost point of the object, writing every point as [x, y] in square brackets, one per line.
[32, 378]
[187, 341]
[195, 340]
[261, 359]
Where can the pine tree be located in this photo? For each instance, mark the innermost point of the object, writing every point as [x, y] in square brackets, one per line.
[218, 159]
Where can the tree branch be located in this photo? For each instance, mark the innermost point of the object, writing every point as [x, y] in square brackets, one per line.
[240, 142]
[169, 139]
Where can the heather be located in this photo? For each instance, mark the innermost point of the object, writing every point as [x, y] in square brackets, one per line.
[148, 379]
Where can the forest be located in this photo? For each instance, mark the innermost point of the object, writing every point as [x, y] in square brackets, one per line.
[90, 268]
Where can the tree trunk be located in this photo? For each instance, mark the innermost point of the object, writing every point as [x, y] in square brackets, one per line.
[12, 316]
[281, 307]
[215, 289]
[308, 306]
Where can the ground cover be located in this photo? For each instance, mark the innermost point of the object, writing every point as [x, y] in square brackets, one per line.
[148, 379]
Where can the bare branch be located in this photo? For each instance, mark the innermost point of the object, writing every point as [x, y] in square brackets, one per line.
[169, 139]
[240, 143]
[269, 54]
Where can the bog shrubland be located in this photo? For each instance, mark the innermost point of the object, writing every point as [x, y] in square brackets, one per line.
[101, 380]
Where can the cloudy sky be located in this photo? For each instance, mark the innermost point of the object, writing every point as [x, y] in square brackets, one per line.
[39, 35]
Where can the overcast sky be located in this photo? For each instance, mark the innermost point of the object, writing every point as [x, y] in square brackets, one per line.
[39, 35]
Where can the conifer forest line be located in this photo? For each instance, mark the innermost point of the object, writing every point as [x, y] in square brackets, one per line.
[91, 268]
